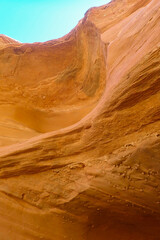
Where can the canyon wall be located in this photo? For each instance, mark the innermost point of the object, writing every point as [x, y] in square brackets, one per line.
[80, 129]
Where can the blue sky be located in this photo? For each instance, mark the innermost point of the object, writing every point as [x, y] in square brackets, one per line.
[42, 20]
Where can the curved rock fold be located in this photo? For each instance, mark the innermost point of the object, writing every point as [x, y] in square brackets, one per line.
[80, 129]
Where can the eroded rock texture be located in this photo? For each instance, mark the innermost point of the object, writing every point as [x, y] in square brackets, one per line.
[80, 129]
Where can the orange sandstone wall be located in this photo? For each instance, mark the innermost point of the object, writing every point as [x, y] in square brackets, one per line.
[80, 129]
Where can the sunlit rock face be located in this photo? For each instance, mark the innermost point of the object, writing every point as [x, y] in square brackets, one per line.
[80, 129]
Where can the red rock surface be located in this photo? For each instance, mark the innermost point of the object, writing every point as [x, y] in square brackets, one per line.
[80, 129]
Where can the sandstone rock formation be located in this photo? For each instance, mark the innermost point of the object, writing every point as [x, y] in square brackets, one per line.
[80, 129]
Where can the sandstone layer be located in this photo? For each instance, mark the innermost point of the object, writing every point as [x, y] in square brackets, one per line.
[80, 129]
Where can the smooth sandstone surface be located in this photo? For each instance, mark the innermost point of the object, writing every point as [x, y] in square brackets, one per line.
[80, 129]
